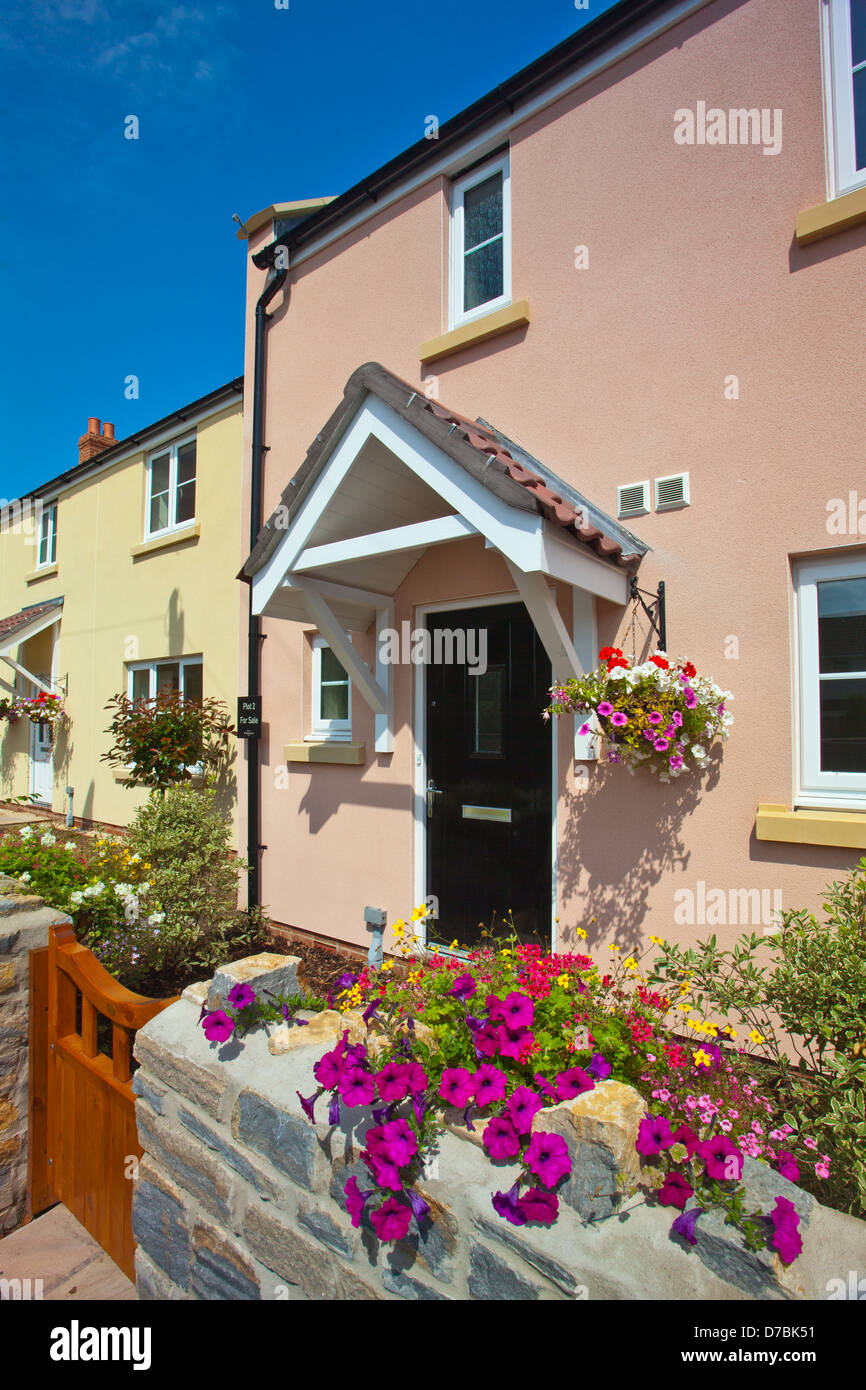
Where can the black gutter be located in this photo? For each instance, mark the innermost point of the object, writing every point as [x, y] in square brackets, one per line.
[589, 41]
[254, 847]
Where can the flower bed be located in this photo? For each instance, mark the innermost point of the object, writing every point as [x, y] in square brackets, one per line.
[492, 1040]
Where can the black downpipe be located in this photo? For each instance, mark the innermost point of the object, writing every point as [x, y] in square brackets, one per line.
[254, 846]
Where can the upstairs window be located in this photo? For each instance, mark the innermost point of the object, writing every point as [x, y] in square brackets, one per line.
[481, 241]
[332, 696]
[845, 85]
[47, 536]
[147, 679]
[831, 614]
[171, 487]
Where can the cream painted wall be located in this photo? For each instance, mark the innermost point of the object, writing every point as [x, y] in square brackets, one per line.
[694, 275]
[177, 601]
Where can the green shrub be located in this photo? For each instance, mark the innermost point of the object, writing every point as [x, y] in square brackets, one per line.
[186, 841]
[49, 867]
[803, 989]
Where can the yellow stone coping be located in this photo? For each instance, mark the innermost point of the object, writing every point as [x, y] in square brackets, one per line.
[835, 216]
[46, 572]
[302, 207]
[186, 533]
[301, 752]
[843, 829]
[478, 331]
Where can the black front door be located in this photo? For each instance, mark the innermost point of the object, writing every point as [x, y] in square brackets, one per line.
[488, 807]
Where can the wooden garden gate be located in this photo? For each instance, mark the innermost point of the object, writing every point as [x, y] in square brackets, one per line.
[84, 1141]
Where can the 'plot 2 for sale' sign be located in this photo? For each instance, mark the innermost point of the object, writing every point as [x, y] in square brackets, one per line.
[249, 716]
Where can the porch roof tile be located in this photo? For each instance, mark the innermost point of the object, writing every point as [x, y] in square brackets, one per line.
[21, 621]
[490, 456]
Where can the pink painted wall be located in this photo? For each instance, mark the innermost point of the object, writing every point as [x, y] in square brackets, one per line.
[693, 275]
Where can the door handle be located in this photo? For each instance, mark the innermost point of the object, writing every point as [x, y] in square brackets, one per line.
[431, 792]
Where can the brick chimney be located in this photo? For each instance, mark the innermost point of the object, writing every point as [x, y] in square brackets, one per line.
[94, 441]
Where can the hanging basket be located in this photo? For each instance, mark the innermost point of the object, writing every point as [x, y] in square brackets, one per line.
[659, 714]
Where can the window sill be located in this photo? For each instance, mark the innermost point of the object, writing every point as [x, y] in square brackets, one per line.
[46, 572]
[331, 752]
[185, 533]
[828, 218]
[842, 829]
[478, 331]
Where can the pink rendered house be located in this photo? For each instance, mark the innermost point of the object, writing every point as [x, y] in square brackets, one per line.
[599, 333]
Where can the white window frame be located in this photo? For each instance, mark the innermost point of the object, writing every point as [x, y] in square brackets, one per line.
[180, 661]
[843, 175]
[171, 449]
[814, 788]
[326, 730]
[459, 188]
[196, 769]
[47, 531]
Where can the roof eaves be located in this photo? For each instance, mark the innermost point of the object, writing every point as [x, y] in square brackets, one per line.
[108, 456]
[593, 37]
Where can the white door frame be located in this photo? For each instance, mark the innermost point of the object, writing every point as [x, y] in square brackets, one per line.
[37, 764]
[420, 612]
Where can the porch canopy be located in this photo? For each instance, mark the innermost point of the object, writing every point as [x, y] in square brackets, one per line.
[394, 472]
[19, 628]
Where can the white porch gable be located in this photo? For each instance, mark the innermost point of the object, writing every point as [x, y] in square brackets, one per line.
[18, 630]
[379, 495]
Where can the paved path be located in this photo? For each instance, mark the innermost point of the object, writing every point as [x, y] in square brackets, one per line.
[56, 1249]
[27, 817]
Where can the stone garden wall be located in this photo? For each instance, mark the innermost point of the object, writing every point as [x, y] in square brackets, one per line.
[240, 1197]
[24, 923]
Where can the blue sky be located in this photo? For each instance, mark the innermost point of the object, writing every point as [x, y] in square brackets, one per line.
[118, 257]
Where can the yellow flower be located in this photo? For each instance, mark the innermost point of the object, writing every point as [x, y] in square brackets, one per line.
[756, 1037]
[696, 1024]
[630, 963]
[454, 944]
[657, 940]
[387, 964]
[614, 948]
[702, 1059]
[505, 952]
[731, 1032]
[564, 980]
[415, 977]
[710, 1029]
[581, 933]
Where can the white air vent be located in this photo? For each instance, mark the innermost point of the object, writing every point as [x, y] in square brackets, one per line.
[633, 499]
[672, 492]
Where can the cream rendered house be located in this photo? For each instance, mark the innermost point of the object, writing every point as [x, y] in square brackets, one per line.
[119, 576]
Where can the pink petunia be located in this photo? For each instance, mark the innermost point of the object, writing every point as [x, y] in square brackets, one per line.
[456, 1087]
[217, 1026]
[391, 1220]
[500, 1138]
[547, 1157]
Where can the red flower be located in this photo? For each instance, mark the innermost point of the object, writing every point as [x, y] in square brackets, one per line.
[660, 662]
[617, 661]
[689, 670]
[607, 652]
[675, 1191]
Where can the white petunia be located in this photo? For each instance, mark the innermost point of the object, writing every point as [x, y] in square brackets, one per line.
[48, 839]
